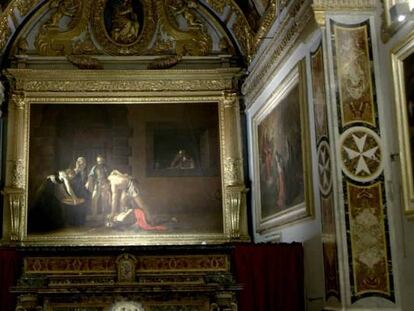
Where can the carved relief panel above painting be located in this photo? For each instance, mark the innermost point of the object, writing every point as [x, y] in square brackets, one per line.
[173, 28]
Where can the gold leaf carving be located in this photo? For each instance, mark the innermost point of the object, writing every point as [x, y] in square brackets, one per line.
[194, 41]
[84, 62]
[52, 40]
[24, 6]
[5, 32]
[267, 21]
[218, 5]
[109, 86]
[241, 27]
[84, 46]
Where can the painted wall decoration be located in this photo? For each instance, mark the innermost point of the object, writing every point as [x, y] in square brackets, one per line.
[353, 74]
[329, 239]
[361, 158]
[369, 242]
[282, 155]
[361, 154]
[319, 94]
[88, 170]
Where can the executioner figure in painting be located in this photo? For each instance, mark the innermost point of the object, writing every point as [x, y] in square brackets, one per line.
[127, 203]
[125, 25]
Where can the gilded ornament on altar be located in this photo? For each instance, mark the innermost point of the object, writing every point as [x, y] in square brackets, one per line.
[126, 268]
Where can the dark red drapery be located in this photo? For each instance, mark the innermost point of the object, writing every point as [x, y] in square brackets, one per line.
[10, 264]
[272, 276]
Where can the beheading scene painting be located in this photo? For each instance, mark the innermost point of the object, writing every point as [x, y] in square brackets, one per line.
[281, 157]
[124, 169]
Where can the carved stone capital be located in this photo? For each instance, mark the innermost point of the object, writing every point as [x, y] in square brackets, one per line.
[230, 98]
[320, 18]
[18, 100]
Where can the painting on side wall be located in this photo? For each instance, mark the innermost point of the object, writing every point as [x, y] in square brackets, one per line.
[403, 71]
[282, 182]
[124, 170]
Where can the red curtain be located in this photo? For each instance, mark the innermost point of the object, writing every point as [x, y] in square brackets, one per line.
[10, 264]
[272, 276]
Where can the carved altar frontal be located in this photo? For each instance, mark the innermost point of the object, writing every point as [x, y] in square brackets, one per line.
[164, 282]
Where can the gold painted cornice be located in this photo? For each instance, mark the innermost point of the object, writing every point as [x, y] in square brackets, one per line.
[327, 5]
[31, 80]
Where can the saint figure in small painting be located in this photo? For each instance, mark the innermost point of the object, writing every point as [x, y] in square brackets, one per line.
[125, 23]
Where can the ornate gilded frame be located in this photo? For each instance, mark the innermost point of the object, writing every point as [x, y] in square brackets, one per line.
[398, 55]
[270, 224]
[32, 87]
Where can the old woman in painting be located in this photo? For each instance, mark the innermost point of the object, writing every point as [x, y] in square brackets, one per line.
[61, 200]
[125, 25]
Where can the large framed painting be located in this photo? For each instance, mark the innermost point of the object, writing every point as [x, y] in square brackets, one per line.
[403, 71]
[283, 178]
[91, 170]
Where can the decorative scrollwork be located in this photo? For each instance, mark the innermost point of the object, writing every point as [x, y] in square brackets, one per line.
[24, 6]
[5, 32]
[194, 40]
[54, 41]
[126, 268]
